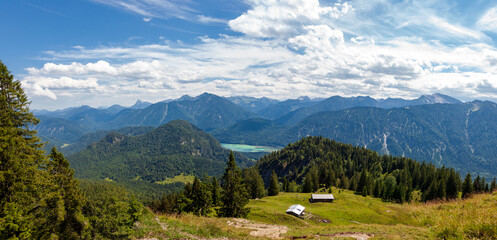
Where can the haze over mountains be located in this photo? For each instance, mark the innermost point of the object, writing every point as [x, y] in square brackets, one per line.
[435, 128]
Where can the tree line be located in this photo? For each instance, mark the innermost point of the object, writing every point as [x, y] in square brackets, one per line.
[316, 162]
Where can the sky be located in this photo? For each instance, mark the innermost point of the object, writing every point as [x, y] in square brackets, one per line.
[105, 52]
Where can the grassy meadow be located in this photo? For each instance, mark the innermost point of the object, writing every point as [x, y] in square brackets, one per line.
[182, 178]
[474, 218]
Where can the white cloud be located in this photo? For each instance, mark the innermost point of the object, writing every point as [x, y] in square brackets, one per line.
[147, 19]
[74, 69]
[47, 86]
[208, 20]
[293, 48]
[152, 8]
[457, 30]
[282, 18]
[489, 20]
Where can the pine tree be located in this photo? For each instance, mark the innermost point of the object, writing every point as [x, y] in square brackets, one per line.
[285, 184]
[493, 186]
[484, 185]
[362, 181]
[331, 178]
[216, 193]
[235, 196]
[389, 186]
[23, 182]
[477, 187]
[377, 189]
[451, 186]
[441, 190]
[67, 199]
[201, 198]
[467, 186]
[254, 183]
[315, 178]
[308, 183]
[432, 192]
[344, 182]
[364, 192]
[274, 187]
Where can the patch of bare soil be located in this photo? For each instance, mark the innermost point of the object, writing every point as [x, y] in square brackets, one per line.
[259, 229]
[356, 235]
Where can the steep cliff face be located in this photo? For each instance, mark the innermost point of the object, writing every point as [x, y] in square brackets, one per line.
[462, 136]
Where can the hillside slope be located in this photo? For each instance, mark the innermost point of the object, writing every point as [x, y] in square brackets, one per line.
[462, 136]
[169, 150]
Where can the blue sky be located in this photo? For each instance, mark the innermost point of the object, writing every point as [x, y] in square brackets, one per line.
[104, 52]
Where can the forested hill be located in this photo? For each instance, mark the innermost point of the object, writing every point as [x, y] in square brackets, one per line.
[318, 161]
[169, 150]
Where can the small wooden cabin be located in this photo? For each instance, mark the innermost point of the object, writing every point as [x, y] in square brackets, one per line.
[321, 198]
[296, 210]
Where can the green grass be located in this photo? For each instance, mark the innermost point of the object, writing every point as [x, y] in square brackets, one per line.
[474, 218]
[108, 179]
[248, 148]
[179, 178]
[348, 213]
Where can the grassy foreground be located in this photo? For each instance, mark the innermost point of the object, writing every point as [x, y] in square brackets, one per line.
[474, 218]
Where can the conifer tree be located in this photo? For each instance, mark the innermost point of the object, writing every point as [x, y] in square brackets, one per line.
[493, 186]
[344, 182]
[484, 186]
[477, 187]
[67, 199]
[451, 186]
[274, 187]
[23, 183]
[364, 192]
[467, 186]
[331, 178]
[254, 183]
[216, 194]
[201, 198]
[441, 190]
[432, 191]
[377, 189]
[286, 184]
[362, 181]
[308, 183]
[235, 196]
[315, 178]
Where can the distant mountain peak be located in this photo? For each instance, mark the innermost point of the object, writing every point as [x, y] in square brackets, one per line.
[139, 104]
[185, 98]
[303, 98]
[438, 98]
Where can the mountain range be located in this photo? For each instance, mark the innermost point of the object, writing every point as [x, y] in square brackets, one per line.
[435, 128]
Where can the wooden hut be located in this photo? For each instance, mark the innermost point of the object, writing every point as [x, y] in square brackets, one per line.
[321, 198]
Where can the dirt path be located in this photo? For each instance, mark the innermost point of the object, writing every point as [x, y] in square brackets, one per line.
[356, 235]
[259, 229]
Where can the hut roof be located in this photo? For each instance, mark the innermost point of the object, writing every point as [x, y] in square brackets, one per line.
[296, 209]
[322, 196]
